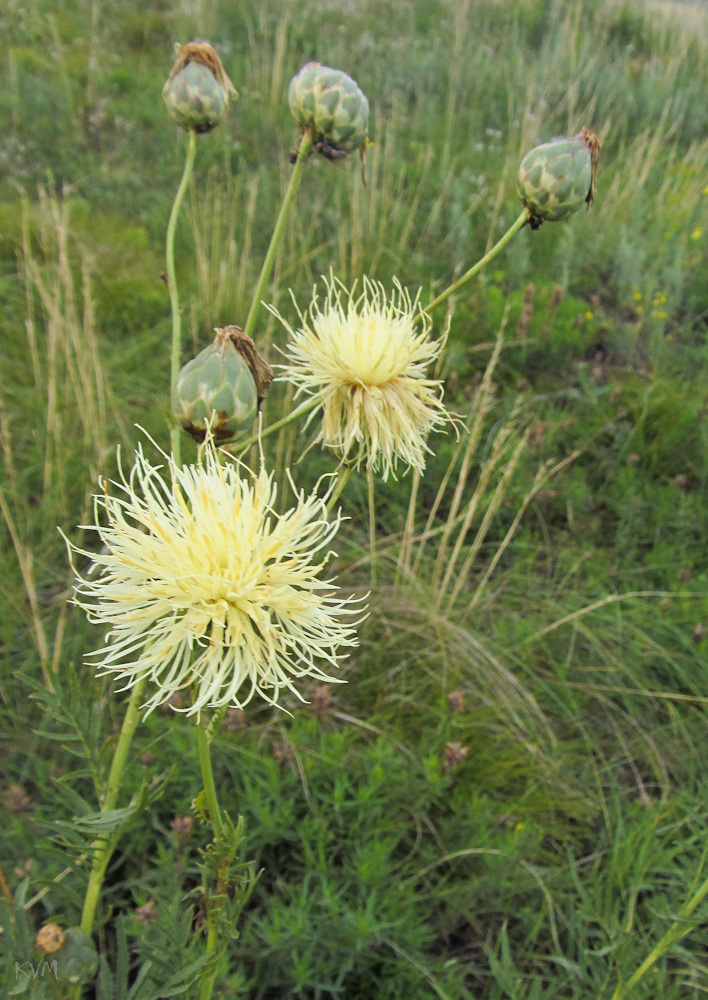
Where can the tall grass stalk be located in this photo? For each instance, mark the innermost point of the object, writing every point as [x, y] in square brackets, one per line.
[479, 410]
[678, 929]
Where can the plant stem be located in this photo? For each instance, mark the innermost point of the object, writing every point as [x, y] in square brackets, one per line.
[293, 184]
[207, 985]
[212, 800]
[675, 932]
[103, 848]
[309, 404]
[372, 525]
[508, 235]
[172, 282]
[339, 486]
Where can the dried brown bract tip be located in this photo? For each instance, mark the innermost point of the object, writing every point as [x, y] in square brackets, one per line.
[257, 365]
[205, 54]
[594, 145]
[50, 939]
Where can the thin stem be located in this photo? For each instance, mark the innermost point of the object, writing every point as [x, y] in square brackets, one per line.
[675, 933]
[293, 184]
[404, 555]
[217, 826]
[212, 800]
[372, 525]
[207, 986]
[508, 235]
[172, 282]
[341, 483]
[103, 846]
[309, 404]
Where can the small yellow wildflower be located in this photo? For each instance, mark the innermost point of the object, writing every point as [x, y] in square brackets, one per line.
[697, 233]
[588, 315]
[640, 310]
[637, 296]
[705, 189]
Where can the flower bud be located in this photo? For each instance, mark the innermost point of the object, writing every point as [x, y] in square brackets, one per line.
[50, 938]
[556, 178]
[77, 960]
[216, 390]
[197, 90]
[329, 104]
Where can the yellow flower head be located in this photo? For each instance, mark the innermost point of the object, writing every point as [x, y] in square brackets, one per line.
[202, 585]
[365, 359]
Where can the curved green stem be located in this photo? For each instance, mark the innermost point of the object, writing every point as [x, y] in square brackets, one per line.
[212, 800]
[104, 845]
[172, 282]
[294, 183]
[508, 235]
[309, 404]
[677, 930]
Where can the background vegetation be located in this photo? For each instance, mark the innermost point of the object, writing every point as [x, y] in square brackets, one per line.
[508, 798]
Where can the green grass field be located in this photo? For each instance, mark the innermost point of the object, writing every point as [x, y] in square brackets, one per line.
[508, 797]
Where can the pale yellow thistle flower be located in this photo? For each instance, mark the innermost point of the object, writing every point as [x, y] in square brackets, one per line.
[203, 585]
[365, 359]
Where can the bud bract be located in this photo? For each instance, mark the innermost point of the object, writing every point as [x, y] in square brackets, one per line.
[215, 390]
[330, 105]
[77, 960]
[556, 178]
[197, 90]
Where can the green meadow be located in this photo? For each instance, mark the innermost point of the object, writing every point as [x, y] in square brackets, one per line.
[508, 798]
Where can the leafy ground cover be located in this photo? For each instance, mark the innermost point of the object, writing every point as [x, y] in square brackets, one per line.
[507, 798]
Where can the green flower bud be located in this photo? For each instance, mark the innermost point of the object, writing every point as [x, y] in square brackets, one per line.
[77, 959]
[216, 389]
[329, 104]
[555, 179]
[197, 90]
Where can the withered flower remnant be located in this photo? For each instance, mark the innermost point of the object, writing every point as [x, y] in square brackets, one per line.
[197, 90]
